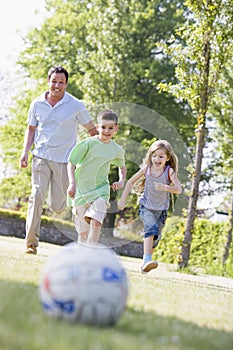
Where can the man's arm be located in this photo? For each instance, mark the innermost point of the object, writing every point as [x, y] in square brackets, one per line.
[28, 141]
[91, 128]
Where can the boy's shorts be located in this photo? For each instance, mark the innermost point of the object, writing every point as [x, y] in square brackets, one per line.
[84, 213]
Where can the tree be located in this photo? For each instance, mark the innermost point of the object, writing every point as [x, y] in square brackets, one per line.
[223, 164]
[110, 49]
[206, 46]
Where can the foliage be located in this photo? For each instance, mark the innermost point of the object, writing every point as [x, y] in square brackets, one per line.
[15, 186]
[18, 215]
[110, 50]
[207, 245]
[206, 48]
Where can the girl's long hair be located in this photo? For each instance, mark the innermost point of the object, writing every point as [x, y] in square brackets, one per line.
[172, 162]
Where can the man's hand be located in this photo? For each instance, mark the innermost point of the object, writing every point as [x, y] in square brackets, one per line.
[23, 160]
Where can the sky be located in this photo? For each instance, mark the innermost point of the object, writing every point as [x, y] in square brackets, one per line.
[17, 17]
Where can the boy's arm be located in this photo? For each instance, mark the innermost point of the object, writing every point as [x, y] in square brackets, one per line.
[122, 176]
[72, 182]
[129, 185]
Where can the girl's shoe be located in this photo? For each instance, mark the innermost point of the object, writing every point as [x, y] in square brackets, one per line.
[150, 265]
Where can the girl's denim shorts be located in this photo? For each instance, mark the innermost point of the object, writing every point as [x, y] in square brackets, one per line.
[154, 221]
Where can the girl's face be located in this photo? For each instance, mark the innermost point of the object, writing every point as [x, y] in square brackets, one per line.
[159, 158]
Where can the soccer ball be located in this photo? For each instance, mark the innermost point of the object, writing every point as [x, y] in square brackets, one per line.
[84, 284]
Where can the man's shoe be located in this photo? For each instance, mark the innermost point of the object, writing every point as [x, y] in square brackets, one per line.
[31, 250]
[150, 265]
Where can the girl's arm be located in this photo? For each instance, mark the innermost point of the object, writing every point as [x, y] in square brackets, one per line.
[72, 182]
[175, 186]
[129, 184]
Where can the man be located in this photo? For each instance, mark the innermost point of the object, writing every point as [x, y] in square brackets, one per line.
[53, 120]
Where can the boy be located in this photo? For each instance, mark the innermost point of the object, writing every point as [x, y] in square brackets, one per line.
[88, 170]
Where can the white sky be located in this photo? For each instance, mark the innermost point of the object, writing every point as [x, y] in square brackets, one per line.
[17, 17]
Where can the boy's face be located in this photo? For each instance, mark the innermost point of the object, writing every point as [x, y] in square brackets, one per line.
[107, 129]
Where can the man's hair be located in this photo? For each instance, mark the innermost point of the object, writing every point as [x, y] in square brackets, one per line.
[58, 69]
[107, 114]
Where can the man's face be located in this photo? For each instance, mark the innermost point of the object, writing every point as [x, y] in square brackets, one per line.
[57, 85]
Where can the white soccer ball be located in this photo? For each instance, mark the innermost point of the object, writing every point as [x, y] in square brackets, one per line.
[84, 284]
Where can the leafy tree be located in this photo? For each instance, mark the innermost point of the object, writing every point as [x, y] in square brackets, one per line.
[110, 48]
[207, 44]
[223, 164]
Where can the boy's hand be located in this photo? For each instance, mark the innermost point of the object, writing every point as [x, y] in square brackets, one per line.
[71, 190]
[118, 185]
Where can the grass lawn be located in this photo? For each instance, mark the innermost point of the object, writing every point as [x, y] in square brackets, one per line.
[165, 310]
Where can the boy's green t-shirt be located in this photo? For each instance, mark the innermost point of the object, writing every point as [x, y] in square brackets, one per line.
[92, 159]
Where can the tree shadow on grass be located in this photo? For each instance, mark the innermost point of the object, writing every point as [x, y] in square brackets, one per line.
[25, 326]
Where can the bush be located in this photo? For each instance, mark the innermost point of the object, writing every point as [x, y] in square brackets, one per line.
[207, 246]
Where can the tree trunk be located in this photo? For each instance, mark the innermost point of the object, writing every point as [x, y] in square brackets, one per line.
[186, 247]
[201, 124]
[229, 235]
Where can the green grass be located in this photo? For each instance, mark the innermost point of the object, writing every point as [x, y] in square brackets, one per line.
[162, 313]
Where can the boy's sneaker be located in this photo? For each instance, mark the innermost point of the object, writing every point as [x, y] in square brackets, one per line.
[148, 266]
[31, 250]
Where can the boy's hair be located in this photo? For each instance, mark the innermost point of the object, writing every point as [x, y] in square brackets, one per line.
[58, 69]
[107, 114]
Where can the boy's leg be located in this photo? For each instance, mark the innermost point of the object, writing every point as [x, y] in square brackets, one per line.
[81, 226]
[94, 233]
[95, 215]
[82, 237]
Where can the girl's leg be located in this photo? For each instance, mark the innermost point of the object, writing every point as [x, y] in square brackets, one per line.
[148, 264]
[148, 245]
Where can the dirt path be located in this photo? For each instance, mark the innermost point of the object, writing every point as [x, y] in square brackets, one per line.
[164, 271]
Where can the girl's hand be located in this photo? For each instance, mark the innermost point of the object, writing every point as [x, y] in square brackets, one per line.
[160, 187]
[121, 204]
[71, 190]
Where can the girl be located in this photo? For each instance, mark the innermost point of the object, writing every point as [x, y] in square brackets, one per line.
[159, 178]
